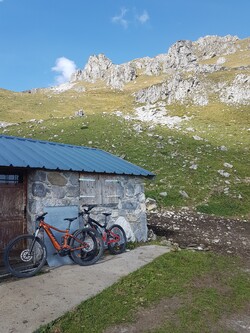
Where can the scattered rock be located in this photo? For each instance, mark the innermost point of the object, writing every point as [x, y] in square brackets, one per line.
[156, 114]
[224, 173]
[151, 204]
[201, 232]
[79, 113]
[193, 167]
[228, 165]
[184, 194]
[197, 138]
[5, 124]
[223, 148]
[151, 235]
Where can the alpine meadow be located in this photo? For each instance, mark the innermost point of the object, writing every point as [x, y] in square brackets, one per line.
[183, 115]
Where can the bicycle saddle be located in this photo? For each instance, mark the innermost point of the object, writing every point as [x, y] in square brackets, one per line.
[106, 214]
[70, 219]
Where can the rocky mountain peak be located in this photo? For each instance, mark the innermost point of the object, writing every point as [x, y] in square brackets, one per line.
[96, 68]
[181, 54]
[211, 46]
[184, 71]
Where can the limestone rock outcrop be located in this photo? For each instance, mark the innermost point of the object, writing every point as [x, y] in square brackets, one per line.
[185, 72]
[175, 89]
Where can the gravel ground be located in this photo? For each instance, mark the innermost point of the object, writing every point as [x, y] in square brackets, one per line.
[203, 232]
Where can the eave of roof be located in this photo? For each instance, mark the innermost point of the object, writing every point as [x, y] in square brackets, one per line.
[37, 154]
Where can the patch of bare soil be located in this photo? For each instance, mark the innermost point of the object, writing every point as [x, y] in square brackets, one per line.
[203, 232]
[150, 318]
[239, 322]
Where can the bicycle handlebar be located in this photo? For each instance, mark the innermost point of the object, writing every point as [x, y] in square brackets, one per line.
[41, 217]
[89, 208]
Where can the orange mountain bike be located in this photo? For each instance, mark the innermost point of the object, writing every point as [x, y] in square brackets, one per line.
[25, 255]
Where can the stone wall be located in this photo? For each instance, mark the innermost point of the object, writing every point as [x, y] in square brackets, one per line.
[120, 195]
[50, 189]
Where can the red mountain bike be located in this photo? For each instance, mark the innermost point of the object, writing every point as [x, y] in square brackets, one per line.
[114, 238]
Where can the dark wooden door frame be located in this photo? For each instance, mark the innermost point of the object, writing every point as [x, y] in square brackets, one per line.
[16, 222]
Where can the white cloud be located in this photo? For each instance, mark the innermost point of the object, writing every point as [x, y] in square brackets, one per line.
[143, 18]
[123, 20]
[65, 68]
[120, 19]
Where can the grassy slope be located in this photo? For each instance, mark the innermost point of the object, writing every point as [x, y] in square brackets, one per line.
[167, 152]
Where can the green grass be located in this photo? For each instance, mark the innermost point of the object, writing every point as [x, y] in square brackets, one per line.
[171, 156]
[207, 286]
[20, 107]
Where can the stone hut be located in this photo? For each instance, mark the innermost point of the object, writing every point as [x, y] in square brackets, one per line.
[38, 176]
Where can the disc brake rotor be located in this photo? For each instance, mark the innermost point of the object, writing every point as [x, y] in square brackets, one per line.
[26, 255]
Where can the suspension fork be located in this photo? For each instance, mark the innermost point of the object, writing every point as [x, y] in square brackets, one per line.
[34, 240]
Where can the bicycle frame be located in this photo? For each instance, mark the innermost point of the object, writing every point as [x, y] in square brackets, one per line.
[115, 237]
[106, 233]
[47, 227]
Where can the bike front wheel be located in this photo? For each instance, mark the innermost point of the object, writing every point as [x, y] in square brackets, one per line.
[25, 256]
[117, 239]
[86, 246]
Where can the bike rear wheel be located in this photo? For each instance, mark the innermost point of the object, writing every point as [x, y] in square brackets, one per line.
[119, 246]
[25, 256]
[86, 247]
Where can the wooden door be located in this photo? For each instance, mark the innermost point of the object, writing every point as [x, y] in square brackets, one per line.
[12, 206]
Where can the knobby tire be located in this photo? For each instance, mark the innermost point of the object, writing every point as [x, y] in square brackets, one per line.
[20, 260]
[117, 247]
[91, 254]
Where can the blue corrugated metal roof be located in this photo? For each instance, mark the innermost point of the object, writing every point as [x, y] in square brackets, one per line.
[29, 153]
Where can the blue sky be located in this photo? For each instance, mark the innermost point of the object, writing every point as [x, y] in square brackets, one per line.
[43, 41]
